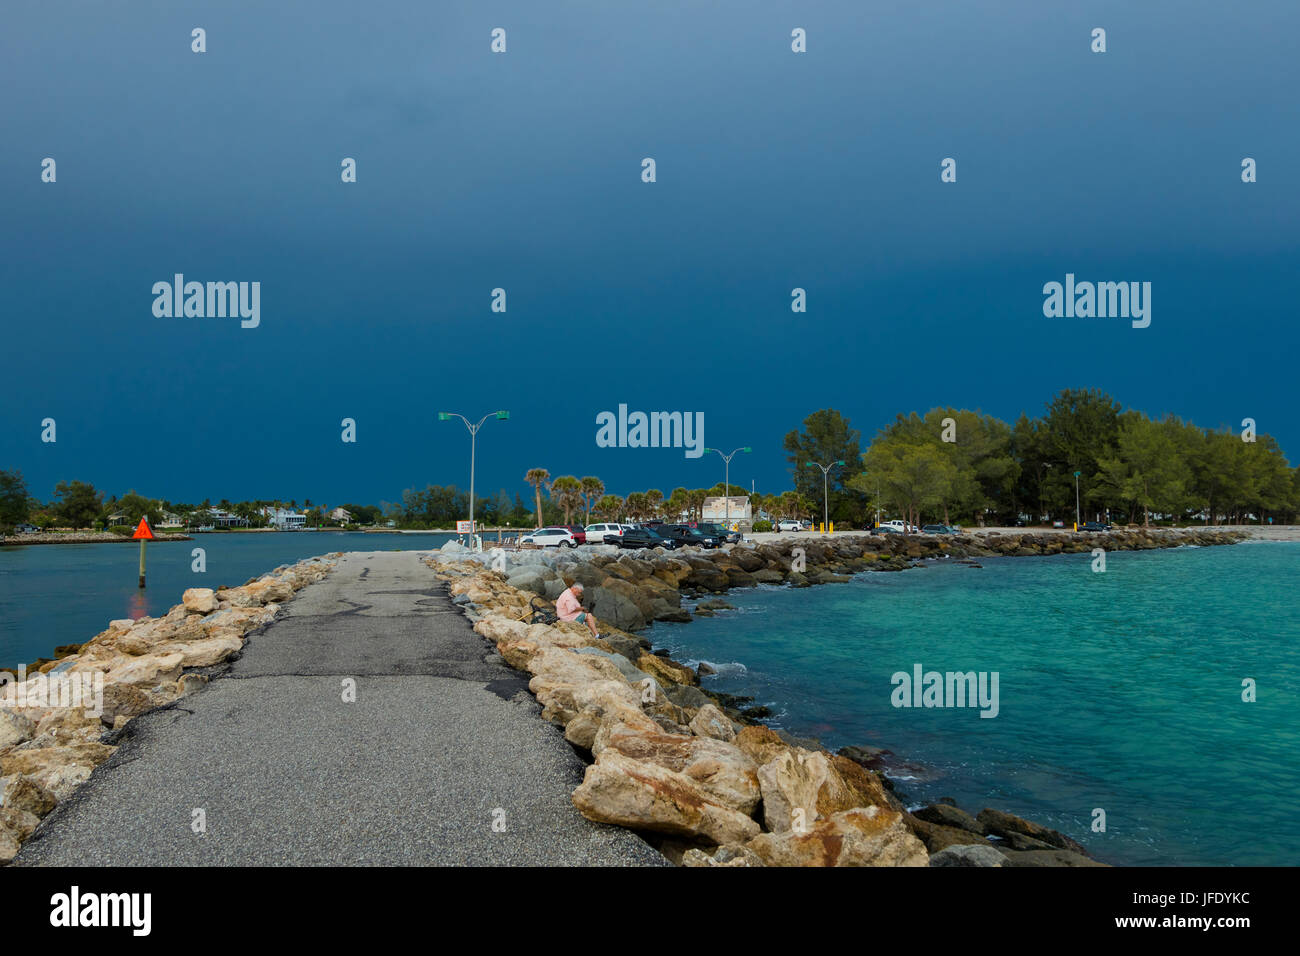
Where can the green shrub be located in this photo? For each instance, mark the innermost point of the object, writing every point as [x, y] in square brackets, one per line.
[760, 526]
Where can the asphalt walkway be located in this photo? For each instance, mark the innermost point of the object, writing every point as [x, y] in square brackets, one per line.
[442, 742]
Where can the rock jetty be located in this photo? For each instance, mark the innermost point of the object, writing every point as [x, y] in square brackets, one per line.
[48, 749]
[702, 781]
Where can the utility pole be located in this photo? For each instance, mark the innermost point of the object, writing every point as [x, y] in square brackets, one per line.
[473, 438]
[1076, 500]
[826, 499]
[726, 480]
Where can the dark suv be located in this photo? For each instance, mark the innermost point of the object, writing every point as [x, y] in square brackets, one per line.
[683, 535]
[716, 530]
[643, 538]
[1094, 526]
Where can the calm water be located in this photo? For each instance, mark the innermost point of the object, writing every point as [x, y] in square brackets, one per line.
[53, 594]
[1119, 690]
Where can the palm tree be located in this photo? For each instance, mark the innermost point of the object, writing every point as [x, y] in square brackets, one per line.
[537, 477]
[695, 502]
[566, 491]
[592, 488]
[654, 502]
[610, 507]
[635, 505]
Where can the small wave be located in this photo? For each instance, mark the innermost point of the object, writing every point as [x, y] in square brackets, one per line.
[723, 670]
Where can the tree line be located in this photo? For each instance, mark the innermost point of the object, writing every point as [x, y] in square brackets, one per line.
[950, 465]
[956, 465]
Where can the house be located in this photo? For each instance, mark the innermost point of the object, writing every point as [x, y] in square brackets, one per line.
[226, 519]
[341, 515]
[169, 519]
[283, 519]
[720, 510]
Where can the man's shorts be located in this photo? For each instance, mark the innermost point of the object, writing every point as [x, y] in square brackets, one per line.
[582, 617]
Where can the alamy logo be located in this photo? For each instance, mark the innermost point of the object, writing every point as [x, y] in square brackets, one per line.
[213, 300]
[103, 909]
[1102, 300]
[655, 430]
[953, 689]
[84, 690]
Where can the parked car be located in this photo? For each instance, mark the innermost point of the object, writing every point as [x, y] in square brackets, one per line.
[717, 530]
[886, 529]
[1094, 526]
[578, 531]
[641, 538]
[26, 529]
[938, 529]
[555, 536]
[602, 532]
[789, 524]
[683, 535]
[902, 527]
[1058, 523]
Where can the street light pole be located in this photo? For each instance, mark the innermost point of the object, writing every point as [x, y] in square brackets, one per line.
[726, 480]
[1076, 500]
[826, 490]
[473, 442]
[1041, 508]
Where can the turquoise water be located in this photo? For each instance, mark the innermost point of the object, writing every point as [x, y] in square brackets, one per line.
[53, 594]
[1120, 690]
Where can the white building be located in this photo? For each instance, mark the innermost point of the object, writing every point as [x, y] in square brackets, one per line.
[735, 509]
[283, 519]
[341, 515]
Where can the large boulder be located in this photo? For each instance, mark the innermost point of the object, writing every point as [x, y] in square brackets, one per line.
[124, 700]
[602, 710]
[968, 855]
[667, 671]
[528, 579]
[39, 759]
[212, 650]
[199, 600]
[1005, 824]
[711, 722]
[14, 729]
[149, 669]
[643, 795]
[938, 837]
[615, 608]
[9, 845]
[721, 770]
[800, 785]
[20, 823]
[24, 793]
[763, 744]
[863, 836]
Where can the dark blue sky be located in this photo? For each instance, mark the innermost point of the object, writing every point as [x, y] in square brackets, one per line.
[522, 170]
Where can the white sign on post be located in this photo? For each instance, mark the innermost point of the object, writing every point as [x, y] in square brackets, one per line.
[464, 527]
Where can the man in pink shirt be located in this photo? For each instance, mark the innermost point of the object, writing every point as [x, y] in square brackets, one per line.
[569, 608]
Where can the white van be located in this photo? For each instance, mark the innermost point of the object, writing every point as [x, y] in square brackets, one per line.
[902, 527]
[596, 533]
